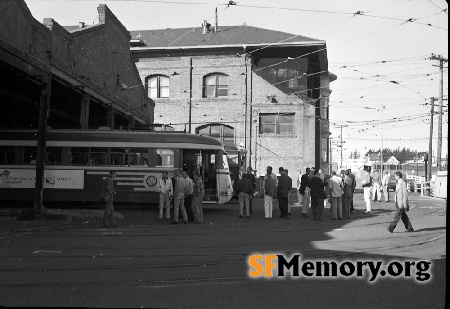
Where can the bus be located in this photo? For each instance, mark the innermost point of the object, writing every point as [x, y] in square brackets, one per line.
[77, 161]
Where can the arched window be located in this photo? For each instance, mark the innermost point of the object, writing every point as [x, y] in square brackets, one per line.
[215, 85]
[221, 132]
[158, 86]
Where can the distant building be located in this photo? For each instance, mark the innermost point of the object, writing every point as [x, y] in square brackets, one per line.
[263, 90]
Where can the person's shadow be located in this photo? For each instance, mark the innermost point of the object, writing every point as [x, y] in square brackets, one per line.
[431, 229]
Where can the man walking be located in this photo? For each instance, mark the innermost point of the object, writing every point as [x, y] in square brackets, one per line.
[252, 178]
[305, 192]
[179, 194]
[401, 201]
[189, 196]
[385, 183]
[106, 195]
[366, 184]
[335, 185]
[283, 189]
[376, 191]
[270, 192]
[318, 196]
[165, 193]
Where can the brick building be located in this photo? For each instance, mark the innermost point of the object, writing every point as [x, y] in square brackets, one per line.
[259, 89]
[85, 71]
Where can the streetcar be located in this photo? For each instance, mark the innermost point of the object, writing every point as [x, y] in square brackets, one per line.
[77, 161]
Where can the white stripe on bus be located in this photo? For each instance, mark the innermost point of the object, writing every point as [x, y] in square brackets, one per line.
[129, 184]
[99, 144]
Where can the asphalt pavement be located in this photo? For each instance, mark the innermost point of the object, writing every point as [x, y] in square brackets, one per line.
[145, 262]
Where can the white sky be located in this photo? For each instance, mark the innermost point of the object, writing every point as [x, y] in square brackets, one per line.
[359, 42]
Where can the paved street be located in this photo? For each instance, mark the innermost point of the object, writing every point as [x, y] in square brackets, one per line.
[149, 263]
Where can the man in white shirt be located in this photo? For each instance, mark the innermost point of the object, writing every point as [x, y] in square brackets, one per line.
[336, 186]
[384, 184]
[165, 193]
[189, 196]
[376, 182]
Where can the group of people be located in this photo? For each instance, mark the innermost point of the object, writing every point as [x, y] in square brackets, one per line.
[312, 190]
[187, 195]
[375, 183]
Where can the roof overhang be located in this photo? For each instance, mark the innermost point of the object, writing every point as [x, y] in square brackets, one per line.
[244, 46]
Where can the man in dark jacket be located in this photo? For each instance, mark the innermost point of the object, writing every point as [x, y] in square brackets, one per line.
[252, 178]
[353, 188]
[283, 189]
[245, 189]
[305, 192]
[317, 195]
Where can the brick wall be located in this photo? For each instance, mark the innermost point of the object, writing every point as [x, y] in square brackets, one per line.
[93, 56]
[293, 151]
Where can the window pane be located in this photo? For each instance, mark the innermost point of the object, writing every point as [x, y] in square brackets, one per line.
[165, 158]
[293, 84]
[222, 92]
[152, 93]
[7, 155]
[286, 124]
[79, 156]
[210, 80]
[118, 156]
[164, 92]
[164, 81]
[215, 131]
[209, 91]
[53, 155]
[204, 131]
[98, 156]
[30, 155]
[286, 119]
[291, 73]
[139, 156]
[228, 132]
[268, 128]
[267, 119]
[223, 80]
[282, 73]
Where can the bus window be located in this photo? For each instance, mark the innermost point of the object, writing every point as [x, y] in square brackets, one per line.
[79, 156]
[53, 155]
[97, 156]
[165, 158]
[30, 155]
[7, 154]
[118, 156]
[139, 156]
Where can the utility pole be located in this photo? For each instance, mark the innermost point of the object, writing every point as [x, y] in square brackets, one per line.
[342, 143]
[331, 159]
[441, 60]
[430, 143]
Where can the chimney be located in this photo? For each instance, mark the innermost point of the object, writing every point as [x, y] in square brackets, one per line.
[206, 26]
[81, 24]
[216, 26]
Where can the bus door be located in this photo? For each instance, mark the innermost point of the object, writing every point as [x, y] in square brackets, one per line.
[210, 176]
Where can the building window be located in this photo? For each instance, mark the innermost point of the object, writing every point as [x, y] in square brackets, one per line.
[324, 149]
[215, 85]
[221, 132]
[324, 107]
[158, 86]
[276, 123]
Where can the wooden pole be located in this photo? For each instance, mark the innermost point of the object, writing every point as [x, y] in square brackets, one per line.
[44, 110]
